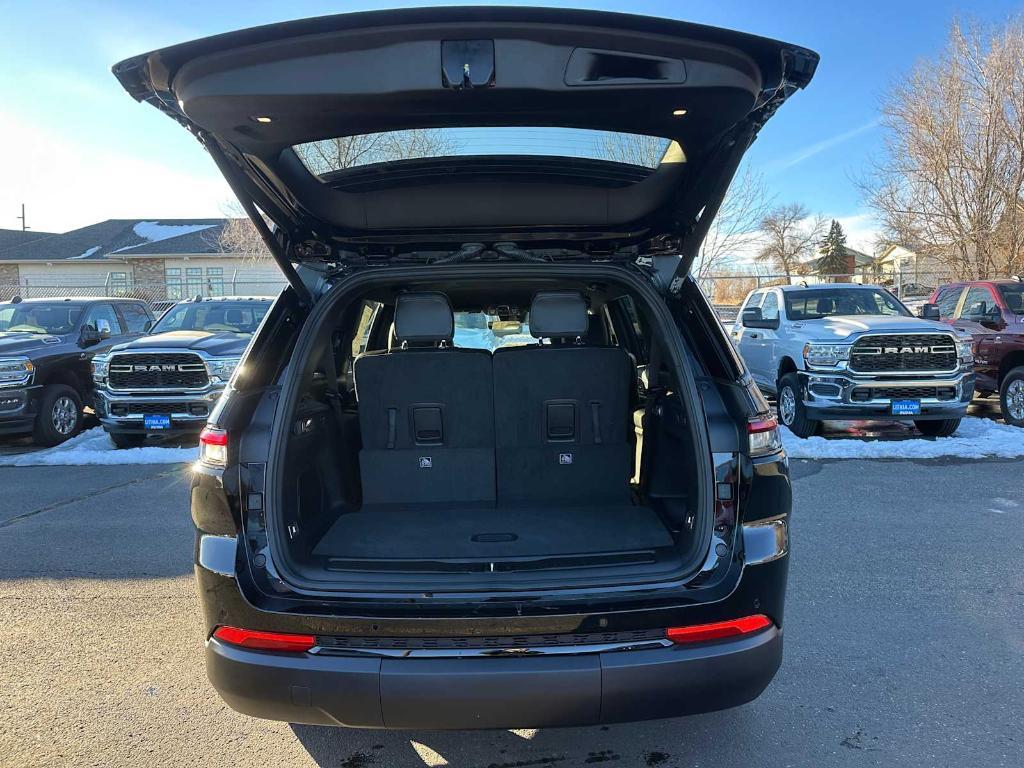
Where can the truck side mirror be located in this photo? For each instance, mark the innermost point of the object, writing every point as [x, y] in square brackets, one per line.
[89, 336]
[753, 318]
[930, 312]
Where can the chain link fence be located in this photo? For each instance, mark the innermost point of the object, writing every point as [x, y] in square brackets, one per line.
[727, 292]
[158, 294]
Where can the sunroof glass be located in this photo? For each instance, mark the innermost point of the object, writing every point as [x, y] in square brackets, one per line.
[329, 155]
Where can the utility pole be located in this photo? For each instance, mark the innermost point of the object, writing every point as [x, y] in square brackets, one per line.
[24, 225]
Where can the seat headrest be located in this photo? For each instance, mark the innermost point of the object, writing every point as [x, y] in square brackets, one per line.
[424, 317]
[558, 315]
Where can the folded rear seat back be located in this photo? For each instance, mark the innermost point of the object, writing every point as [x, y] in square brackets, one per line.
[426, 412]
[562, 411]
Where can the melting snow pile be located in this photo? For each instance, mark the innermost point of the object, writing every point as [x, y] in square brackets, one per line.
[94, 447]
[975, 439]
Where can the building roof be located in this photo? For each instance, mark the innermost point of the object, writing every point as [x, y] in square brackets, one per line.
[9, 238]
[120, 239]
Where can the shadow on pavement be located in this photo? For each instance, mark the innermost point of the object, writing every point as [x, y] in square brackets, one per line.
[661, 742]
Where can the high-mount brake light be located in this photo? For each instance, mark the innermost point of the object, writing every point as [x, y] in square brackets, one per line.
[764, 437]
[719, 630]
[213, 447]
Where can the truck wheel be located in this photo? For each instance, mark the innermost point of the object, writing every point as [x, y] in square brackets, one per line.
[59, 417]
[123, 440]
[938, 428]
[1011, 397]
[791, 407]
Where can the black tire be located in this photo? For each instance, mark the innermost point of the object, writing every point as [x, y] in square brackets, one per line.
[792, 413]
[938, 428]
[59, 417]
[1011, 392]
[124, 440]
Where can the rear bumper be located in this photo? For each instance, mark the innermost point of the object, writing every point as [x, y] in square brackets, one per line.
[520, 692]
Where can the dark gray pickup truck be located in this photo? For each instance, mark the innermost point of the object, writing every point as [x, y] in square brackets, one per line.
[167, 382]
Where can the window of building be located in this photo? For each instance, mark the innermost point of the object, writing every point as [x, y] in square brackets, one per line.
[215, 281]
[118, 283]
[193, 281]
[173, 279]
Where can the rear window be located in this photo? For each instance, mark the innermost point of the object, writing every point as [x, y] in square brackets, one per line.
[476, 330]
[330, 155]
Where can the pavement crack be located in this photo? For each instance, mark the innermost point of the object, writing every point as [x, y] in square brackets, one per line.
[82, 497]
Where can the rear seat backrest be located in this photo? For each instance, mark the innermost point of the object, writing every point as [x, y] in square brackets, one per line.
[562, 411]
[426, 412]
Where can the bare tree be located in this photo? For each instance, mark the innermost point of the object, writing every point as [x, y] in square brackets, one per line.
[950, 185]
[632, 148]
[239, 237]
[735, 232]
[790, 236]
[348, 151]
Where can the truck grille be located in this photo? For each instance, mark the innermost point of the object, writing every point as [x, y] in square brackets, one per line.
[904, 353]
[863, 394]
[158, 370]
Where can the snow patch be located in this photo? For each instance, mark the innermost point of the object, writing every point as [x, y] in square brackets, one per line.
[85, 254]
[94, 447]
[975, 439]
[154, 231]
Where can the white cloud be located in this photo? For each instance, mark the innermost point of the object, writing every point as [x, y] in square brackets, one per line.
[66, 183]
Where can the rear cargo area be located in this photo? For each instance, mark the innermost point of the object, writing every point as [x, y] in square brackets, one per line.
[544, 462]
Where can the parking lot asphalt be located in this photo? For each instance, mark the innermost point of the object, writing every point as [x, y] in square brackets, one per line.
[903, 639]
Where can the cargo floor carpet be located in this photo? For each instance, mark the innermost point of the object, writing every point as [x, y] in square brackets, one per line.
[428, 533]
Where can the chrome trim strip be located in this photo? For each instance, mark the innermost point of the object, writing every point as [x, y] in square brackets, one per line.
[451, 653]
[766, 540]
[217, 554]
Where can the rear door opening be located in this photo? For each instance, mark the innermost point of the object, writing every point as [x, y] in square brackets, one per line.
[489, 435]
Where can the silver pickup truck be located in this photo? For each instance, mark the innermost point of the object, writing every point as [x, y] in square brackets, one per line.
[849, 351]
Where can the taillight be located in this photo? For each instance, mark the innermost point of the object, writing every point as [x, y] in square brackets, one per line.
[764, 437]
[213, 447]
[699, 633]
[265, 641]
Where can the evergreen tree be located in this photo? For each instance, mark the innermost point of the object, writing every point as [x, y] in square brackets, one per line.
[832, 248]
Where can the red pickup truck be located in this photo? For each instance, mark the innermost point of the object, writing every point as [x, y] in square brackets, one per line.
[992, 311]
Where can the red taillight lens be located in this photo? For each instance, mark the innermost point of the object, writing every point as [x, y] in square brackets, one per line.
[265, 641]
[764, 438]
[213, 447]
[700, 633]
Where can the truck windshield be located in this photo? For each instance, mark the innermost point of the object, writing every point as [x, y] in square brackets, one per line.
[1013, 295]
[213, 316]
[825, 302]
[56, 318]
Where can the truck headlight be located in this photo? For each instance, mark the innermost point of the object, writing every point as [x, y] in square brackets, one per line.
[826, 354]
[965, 351]
[221, 368]
[16, 371]
[100, 369]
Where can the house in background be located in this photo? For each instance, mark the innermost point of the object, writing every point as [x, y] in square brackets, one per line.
[155, 259]
[909, 273]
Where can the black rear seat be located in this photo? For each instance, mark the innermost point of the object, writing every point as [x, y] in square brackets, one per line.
[562, 411]
[426, 412]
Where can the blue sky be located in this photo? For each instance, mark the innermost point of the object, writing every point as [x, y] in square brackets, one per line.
[84, 151]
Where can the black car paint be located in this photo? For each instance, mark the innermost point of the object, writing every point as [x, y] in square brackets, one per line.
[238, 585]
[58, 359]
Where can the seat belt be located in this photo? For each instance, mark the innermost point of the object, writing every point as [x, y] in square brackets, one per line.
[653, 396]
[333, 392]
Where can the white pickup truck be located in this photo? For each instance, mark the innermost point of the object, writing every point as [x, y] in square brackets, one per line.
[849, 351]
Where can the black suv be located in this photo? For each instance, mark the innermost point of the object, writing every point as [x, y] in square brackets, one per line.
[491, 460]
[45, 349]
